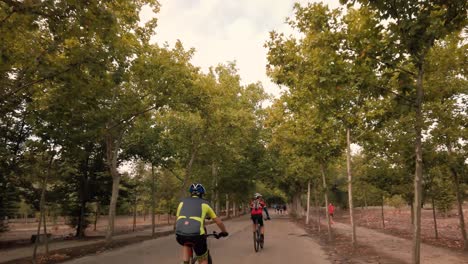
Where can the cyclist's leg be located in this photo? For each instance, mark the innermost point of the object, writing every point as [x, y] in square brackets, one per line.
[186, 253]
[262, 226]
[205, 261]
[186, 250]
[201, 249]
[254, 223]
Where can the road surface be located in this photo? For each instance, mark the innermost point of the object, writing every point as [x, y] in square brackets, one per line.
[284, 243]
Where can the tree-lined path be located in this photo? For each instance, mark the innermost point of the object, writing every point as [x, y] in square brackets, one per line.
[100, 118]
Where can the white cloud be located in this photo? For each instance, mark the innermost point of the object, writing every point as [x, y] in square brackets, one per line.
[223, 31]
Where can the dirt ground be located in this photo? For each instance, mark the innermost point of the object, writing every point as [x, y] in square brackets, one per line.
[398, 223]
[389, 246]
[339, 250]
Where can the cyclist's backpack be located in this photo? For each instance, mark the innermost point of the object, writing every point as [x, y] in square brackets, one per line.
[256, 204]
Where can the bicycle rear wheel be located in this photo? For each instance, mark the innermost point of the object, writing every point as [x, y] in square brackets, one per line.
[255, 241]
[260, 239]
[210, 261]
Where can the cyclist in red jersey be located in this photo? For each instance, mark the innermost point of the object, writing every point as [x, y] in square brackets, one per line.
[331, 211]
[257, 206]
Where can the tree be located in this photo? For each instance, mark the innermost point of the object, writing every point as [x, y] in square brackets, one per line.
[40, 169]
[304, 143]
[328, 61]
[413, 27]
[446, 68]
[67, 45]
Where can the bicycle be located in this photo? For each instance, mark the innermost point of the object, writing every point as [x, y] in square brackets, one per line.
[257, 236]
[194, 260]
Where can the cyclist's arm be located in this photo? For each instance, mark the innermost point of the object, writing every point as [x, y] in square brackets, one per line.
[211, 214]
[266, 212]
[178, 214]
[220, 224]
[179, 208]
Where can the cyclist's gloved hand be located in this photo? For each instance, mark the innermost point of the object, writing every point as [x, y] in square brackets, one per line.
[223, 234]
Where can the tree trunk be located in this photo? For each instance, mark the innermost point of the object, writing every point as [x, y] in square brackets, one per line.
[366, 209]
[460, 215]
[214, 174]
[112, 148]
[350, 187]
[153, 205]
[46, 240]
[308, 203]
[81, 218]
[365, 200]
[188, 172]
[419, 167]
[112, 208]
[234, 208]
[435, 219]
[42, 212]
[459, 199]
[36, 242]
[383, 216]
[325, 188]
[134, 213]
[296, 206]
[80, 231]
[227, 205]
[41, 218]
[98, 212]
[317, 206]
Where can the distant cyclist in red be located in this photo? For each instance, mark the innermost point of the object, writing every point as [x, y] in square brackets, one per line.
[257, 206]
[331, 211]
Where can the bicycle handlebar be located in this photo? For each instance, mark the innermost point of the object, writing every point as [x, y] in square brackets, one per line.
[215, 235]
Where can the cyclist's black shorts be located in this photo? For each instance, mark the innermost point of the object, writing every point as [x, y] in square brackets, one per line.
[258, 218]
[198, 243]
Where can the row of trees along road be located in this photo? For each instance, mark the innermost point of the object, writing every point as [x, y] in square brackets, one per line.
[84, 90]
[389, 76]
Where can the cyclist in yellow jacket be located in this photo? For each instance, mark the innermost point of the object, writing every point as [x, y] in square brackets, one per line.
[190, 225]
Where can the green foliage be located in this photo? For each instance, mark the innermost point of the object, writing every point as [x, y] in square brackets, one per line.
[414, 25]
[24, 210]
[443, 195]
[442, 188]
[396, 201]
[329, 77]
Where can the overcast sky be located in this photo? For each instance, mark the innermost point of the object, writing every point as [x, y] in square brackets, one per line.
[226, 30]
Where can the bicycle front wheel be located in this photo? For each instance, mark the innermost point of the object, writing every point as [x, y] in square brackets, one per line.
[255, 240]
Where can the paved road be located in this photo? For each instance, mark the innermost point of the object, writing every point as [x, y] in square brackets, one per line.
[285, 243]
